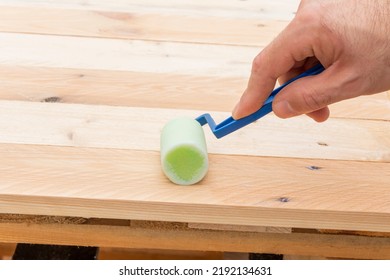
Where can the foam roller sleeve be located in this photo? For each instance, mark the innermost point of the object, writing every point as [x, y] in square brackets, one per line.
[183, 150]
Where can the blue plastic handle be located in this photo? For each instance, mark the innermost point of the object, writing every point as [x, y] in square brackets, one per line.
[230, 125]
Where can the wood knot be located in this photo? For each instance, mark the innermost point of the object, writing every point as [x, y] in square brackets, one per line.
[322, 144]
[52, 99]
[313, 167]
[283, 199]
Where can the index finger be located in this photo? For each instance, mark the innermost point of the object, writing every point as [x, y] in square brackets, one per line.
[292, 45]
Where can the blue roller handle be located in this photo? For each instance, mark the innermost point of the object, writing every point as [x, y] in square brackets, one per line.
[230, 125]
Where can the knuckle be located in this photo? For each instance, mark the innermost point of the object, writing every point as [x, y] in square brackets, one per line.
[314, 100]
[257, 62]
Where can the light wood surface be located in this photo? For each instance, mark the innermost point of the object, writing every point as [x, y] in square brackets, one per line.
[135, 89]
[86, 87]
[278, 9]
[139, 129]
[132, 25]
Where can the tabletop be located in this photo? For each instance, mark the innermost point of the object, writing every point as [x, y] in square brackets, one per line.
[87, 85]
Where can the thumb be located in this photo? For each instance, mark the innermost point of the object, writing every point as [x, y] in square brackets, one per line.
[309, 95]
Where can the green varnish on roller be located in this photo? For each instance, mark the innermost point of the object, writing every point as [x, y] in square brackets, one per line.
[183, 151]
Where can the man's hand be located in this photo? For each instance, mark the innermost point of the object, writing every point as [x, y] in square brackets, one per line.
[350, 38]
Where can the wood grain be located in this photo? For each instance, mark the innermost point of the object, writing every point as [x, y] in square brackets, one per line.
[121, 88]
[6, 251]
[270, 191]
[306, 244]
[139, 129]
[156, 27]
[152, 90]
[87, 85]
[240, 228]
[126, 55]
[264, 9]
[106, 253]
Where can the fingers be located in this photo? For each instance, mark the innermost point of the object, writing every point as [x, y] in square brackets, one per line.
[320, 115]
[309, 95]
[299, 67]
[292, 45]
[260, 84]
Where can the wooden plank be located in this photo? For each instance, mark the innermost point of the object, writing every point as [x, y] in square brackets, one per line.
[121, 88]
[173, 28]
[268, 192]
[375, 106]
[107, 253]
[339, 246]
[39, 219]
[299, 257]
[264, 9]
[125, 55]
[240, 228]
[139, 129]
[153, 90]
[239, 190]
[7, 250]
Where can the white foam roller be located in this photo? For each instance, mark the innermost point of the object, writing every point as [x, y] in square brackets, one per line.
[183, 150]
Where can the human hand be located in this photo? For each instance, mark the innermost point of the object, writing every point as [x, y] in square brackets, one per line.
[350, 38]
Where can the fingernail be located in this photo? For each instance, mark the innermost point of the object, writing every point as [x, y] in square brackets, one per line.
[283, 109]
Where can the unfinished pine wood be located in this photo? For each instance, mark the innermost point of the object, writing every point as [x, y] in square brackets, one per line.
[281, 192]
[152, 90]
[139, 129]
[126, 55]
[110, 74]
[375, 106]
[157, 27]
[155, 254]
[120, 88]
[240, 228]
[277, 10]
[7, 250]
[337, 246]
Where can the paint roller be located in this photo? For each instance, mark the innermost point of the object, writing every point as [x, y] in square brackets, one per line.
[183, 149]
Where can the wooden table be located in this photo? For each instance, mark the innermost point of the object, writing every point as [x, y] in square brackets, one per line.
[86, 86]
